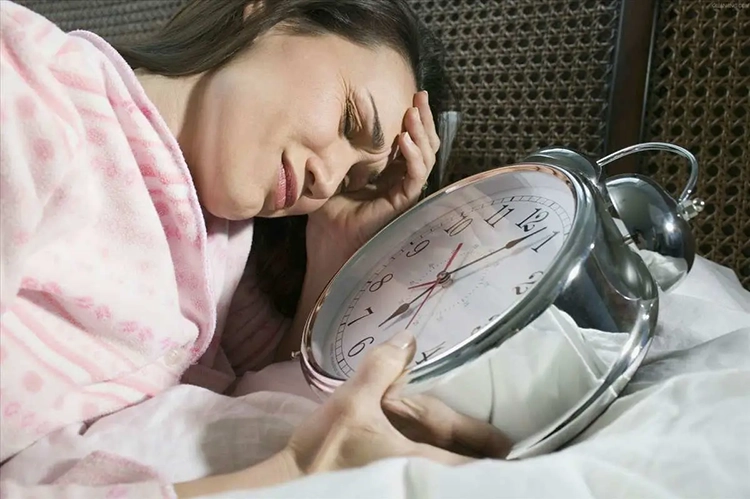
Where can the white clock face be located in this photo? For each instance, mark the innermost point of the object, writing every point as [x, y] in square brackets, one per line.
[448, 269]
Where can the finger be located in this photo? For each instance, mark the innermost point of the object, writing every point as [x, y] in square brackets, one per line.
[437, 454]
[393, 175]
[417, 132]
[422, 102]
[429, 420]
[382, 366]
[416, 171]
[403, 447]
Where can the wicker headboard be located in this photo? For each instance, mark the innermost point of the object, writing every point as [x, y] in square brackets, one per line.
[531, 74]
[116, 20]
[562, 72]
[699, 98]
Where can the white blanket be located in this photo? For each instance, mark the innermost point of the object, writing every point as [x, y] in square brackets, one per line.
[681, 429]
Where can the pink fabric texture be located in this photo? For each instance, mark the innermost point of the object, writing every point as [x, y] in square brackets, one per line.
[114, 283]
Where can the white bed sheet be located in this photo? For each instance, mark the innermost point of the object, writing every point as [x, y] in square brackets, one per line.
[681, 428]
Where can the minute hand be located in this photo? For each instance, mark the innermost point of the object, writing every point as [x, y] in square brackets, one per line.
[508, 246]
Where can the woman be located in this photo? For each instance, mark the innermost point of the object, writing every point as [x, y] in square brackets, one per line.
[128, 200]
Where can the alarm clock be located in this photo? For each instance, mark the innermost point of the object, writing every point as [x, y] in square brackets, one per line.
[532, 291]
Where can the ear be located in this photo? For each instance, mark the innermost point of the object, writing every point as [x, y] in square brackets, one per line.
[251, 8]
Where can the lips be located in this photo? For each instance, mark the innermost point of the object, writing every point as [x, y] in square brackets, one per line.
[286, 191]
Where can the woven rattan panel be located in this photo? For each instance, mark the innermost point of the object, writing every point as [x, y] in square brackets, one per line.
[532, 73]
[699, 99]
[116, 20]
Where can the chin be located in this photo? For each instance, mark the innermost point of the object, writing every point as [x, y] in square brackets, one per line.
[232, 216]
[234, 212]
[268, 212]
[286, 212]
[300, 208]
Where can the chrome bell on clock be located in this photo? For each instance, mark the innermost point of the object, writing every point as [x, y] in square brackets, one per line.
[655, 222]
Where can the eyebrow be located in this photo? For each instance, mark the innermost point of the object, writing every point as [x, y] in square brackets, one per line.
[378, 140]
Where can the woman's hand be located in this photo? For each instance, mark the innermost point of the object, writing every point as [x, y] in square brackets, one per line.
[351, 429]
[355, 427]
[352, 218]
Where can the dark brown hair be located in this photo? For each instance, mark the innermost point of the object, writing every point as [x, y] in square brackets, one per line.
[206, 34]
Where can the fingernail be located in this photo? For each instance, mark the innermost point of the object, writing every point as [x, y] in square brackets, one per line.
[402, 340]
[426, 94]
[408, 138]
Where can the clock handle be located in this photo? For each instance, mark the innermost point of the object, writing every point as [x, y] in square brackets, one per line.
[572, 160]
[659, 146]
[657, 223]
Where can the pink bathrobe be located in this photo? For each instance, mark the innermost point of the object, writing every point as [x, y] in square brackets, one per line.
[113, 281]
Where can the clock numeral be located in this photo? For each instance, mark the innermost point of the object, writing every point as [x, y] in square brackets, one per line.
[529, 223]
[459, 226]
[418, 248]
[500, 214]
[358, 347]
[379, 284]
[525, 286]
[538, 247]
[430, 353]
[369, 313]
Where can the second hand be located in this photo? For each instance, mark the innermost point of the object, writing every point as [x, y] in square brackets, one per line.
[432, 288]
[405, 306]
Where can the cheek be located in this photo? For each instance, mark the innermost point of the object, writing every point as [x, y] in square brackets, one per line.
[316, 99]
[318, 115]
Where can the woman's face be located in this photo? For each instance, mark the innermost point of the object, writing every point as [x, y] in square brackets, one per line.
[279, 128]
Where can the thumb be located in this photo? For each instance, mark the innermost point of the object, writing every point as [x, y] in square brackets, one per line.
[383, 365]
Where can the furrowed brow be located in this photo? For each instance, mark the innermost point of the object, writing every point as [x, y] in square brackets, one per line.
[378, 139]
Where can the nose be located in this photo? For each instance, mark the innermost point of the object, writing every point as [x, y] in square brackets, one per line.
[322, 178]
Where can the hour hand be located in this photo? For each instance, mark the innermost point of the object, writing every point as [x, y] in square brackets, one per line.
[405, 306]
[400, 310]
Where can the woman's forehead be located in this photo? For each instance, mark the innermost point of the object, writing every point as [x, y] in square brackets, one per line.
[389, 84]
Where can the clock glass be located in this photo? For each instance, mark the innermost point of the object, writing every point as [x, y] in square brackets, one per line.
[448, 269]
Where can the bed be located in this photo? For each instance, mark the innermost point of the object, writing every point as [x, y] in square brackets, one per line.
[680, 429]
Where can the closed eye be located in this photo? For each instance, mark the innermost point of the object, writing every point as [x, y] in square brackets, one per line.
[349, 121]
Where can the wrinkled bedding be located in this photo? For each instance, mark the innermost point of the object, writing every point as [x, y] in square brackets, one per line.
[680, 429]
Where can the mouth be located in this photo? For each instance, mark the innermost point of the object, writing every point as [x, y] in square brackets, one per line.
[286, 191]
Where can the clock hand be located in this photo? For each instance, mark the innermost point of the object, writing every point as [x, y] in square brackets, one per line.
[429, 292]
[443, 276]
[432, 288]
[508, 246]
[428, 283]
[405, 306]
